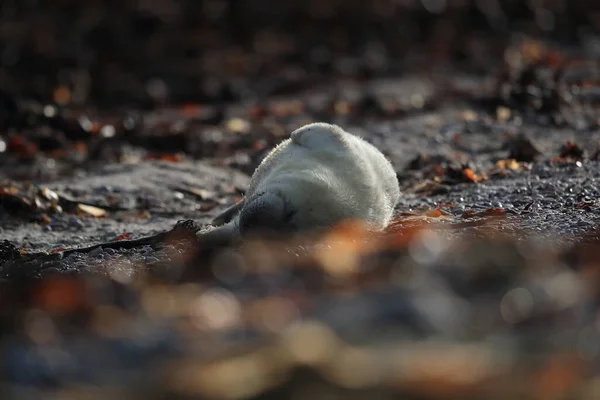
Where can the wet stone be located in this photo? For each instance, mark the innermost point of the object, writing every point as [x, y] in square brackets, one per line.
[161, 255]
[76, 223]
[146, 250]
[96, 252]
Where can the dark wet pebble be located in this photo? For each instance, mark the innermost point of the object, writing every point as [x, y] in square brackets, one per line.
[457, 210]
[105, 189]
[96, 252]
[48, 264]
[75, 256]
[162, 255]
[53, 270]
[57, 224]
[80, 266]
[76, 223]
[146, 250]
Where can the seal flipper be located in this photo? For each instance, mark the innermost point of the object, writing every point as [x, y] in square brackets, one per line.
[228, 214]
[223, 235]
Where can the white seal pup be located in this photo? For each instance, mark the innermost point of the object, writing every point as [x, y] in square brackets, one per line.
[315, 179]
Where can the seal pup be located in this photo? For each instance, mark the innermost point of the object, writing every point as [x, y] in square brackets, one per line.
[318, 177]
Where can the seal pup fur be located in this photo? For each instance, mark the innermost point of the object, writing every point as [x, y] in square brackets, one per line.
[318, 177]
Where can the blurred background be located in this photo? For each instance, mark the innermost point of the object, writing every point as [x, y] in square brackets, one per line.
[114, 53]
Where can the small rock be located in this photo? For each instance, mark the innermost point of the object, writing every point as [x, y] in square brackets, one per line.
[146, 250]
[97, 251]
[76, 223]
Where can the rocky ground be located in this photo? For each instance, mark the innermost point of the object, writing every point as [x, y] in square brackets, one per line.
[265, 321]
[484, 286]
[542, 176]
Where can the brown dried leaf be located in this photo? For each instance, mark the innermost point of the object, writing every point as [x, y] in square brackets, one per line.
[469, 115]
[91, 210]
[503, 113]
[124, 236]
[470, 174]
[238, 125]
[163, 157]
[522, 149]
[571, 151]
[60, 295]
[436, 213]
[490, 212]
[509, 163]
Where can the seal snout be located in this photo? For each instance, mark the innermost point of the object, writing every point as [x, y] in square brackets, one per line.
[265, 212]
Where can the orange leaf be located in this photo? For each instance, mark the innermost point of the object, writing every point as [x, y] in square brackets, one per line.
[191, 110]
[163, 157]
[470, 175]
[435, 213]
[558, 377]
[124, 236]
[493, 212]
[60, 295]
